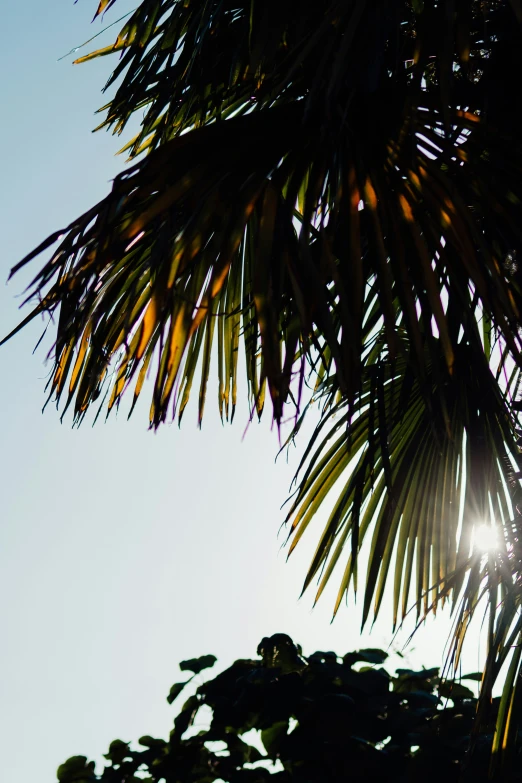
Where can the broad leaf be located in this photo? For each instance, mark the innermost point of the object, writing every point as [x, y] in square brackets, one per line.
[197, 665]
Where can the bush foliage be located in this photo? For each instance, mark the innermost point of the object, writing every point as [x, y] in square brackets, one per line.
[321, 718]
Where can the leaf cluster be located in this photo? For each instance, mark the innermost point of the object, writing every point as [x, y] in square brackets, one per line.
[320, 718]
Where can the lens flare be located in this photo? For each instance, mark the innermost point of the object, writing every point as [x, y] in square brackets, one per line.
[486, 538]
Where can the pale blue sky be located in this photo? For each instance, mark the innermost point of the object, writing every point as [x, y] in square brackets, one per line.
[122, 552]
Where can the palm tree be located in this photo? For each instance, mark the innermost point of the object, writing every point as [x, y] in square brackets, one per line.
[335, 190]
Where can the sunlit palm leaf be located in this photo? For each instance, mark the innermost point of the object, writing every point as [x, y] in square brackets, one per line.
[494, 582]
[424, 472]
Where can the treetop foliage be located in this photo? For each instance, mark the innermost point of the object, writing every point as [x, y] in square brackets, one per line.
[319, 719]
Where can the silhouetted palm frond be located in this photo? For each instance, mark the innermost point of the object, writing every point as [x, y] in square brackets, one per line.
[351, 121]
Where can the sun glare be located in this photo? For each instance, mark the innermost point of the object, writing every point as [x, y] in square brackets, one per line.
[486, 538]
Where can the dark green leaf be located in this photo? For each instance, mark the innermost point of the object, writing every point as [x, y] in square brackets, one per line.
[176, 689]
[197, 665]
[273, 736]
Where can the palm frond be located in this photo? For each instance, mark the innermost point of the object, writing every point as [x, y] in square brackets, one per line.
[385, 163]
[415, 471]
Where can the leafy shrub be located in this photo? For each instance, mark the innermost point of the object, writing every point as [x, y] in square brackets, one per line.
[321, 718]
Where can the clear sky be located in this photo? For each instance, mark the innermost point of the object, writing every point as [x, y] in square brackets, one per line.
[122, 552]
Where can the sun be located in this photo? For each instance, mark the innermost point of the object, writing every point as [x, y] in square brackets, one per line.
[486, 538]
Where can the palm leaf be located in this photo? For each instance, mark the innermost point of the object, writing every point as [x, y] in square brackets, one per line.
[177, 227]
[408, 477]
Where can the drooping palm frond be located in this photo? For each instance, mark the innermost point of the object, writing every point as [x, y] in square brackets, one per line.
[184, 274]
[416, 472]
[351, 118]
